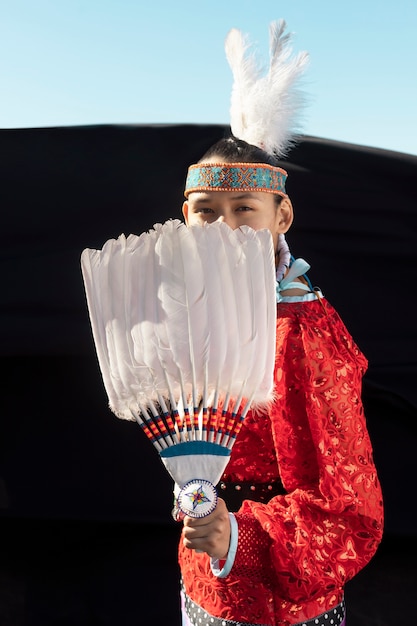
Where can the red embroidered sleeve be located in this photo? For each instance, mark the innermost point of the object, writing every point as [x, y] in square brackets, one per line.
[329, 525]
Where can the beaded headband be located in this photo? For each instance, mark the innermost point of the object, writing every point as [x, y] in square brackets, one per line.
[235, 177]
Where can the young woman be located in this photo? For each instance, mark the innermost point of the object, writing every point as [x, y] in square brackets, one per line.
[300, 507]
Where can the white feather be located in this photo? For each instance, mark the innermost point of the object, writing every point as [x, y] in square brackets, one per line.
[258, 249]
[106, 276]
[142, 314]
[184, 301]
[222, 311]
[150, 321]
[265, 106]
[181, 312]
[98, 269]
[266, 387]
[90, 265]
[113, 264]
[242, 304]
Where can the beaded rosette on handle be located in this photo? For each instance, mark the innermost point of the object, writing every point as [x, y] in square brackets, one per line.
[183, 321]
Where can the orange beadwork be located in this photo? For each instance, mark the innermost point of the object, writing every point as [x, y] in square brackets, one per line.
[296, 553]
[235, 177]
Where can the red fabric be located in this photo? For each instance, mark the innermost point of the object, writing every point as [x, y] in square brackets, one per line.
[296, 553]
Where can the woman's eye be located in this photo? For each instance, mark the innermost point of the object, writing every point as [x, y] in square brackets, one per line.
[205, 210]
[244, 208]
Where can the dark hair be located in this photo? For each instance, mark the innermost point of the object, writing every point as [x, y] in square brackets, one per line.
[233, 150]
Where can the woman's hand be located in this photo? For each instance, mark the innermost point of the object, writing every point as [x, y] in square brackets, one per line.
[209, 534]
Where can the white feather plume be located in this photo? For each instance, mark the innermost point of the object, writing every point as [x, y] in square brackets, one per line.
[266, 105]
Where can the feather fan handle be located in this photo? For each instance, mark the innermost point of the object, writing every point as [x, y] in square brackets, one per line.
[265, 107]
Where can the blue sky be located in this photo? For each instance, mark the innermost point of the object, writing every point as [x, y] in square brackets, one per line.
[76, 62]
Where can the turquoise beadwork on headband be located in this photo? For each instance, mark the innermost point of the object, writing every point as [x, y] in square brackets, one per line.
[235, 177]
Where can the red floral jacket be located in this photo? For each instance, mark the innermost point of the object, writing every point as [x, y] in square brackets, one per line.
[296, 552]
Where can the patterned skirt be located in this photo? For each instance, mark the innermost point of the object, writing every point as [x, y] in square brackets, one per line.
[194, 615]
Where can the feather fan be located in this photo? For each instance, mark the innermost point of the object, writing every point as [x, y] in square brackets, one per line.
[266, 105]
[183, 321]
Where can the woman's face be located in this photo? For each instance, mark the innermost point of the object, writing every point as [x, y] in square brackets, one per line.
[256, 209]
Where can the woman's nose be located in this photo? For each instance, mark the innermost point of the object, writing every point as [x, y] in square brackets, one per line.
[227, 219]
